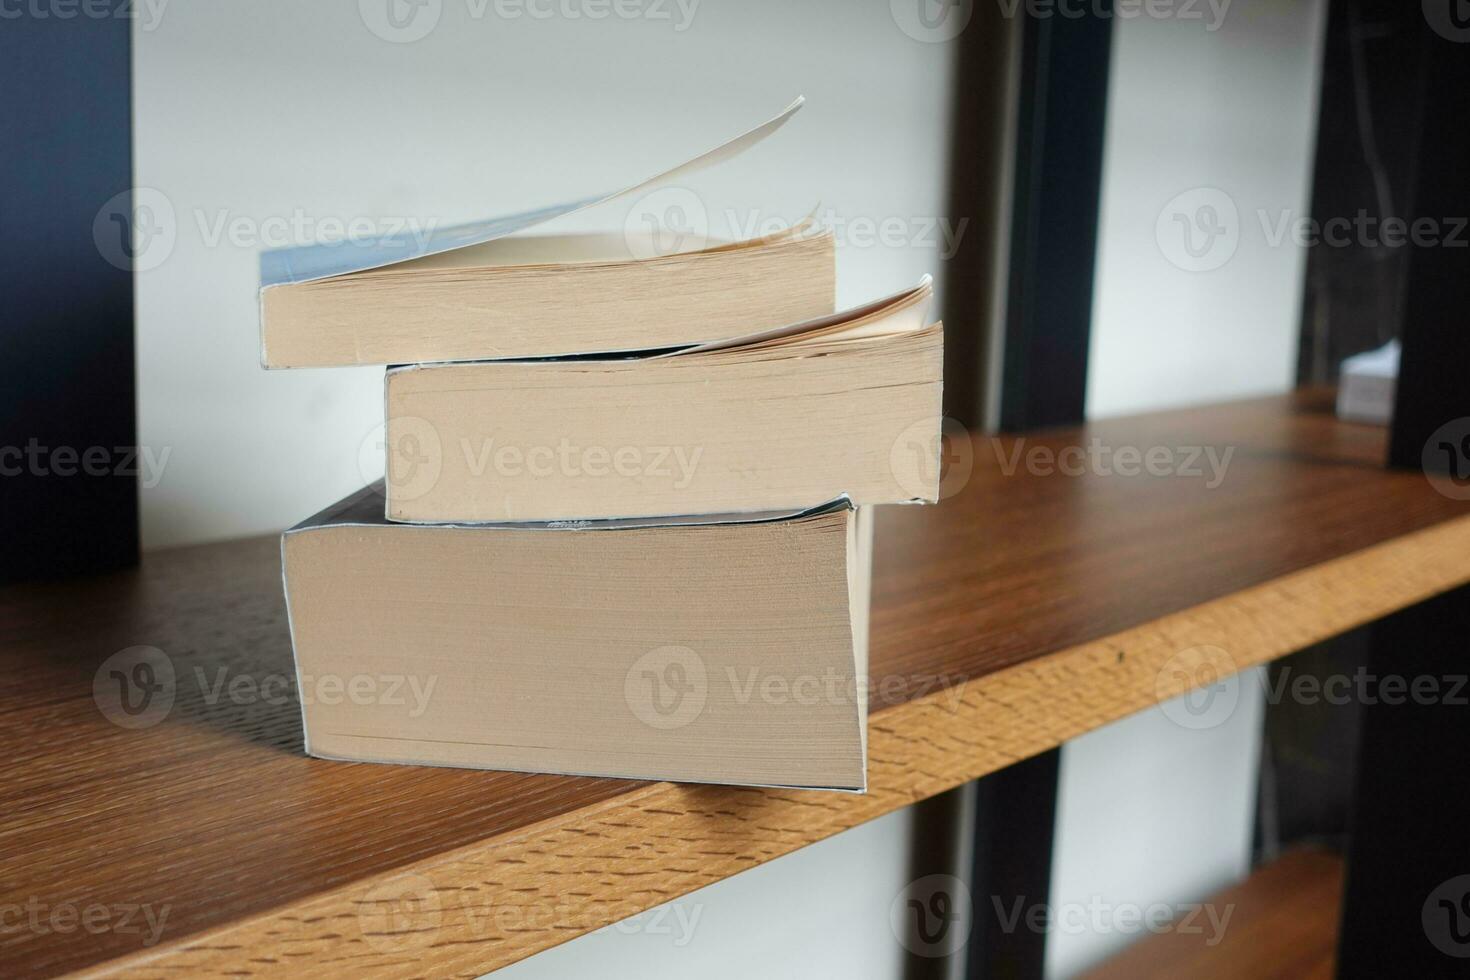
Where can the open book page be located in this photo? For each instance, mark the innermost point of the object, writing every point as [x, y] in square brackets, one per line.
[305, 263]
[903, 312]
[525, 251]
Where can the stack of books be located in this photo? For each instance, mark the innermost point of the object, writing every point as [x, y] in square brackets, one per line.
[625, 523]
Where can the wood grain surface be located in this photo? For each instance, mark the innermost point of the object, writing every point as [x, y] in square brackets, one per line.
[1029, 607]
[1279, 924]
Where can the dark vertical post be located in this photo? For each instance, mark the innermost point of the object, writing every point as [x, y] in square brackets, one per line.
[1058, 185]
[981, 155]
[1015, 818]
[934, 923]
[1369, 115]
[1431, 424]
[66, 401]
[1406, 904]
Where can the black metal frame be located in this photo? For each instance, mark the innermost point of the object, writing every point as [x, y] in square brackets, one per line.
[66, 165]
[1434, 372]
[1057, 190]
[1015, 820]
[1053, 246]
[1404, 912]
[1406, 905]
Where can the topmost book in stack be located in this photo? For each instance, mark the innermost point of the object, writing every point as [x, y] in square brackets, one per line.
[623, 527]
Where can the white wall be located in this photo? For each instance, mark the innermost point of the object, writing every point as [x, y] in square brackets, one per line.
[820, 912]
[274, 108]
[1224, 118]
[269, 109]
[1149, 811]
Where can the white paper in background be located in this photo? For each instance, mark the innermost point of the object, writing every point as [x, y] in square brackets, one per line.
[1365, 389]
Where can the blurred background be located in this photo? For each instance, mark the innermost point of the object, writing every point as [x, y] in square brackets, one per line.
[1107, 192]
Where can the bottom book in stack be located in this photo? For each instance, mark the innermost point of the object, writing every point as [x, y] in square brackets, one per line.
[725, 649]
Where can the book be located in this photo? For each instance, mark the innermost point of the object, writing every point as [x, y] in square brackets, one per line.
[721, 650]
[845, 405]
[498, 289]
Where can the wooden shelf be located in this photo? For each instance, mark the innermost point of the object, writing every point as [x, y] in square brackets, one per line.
[1282, 925]
[1026, 610]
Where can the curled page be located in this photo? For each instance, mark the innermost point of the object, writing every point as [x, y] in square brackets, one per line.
[915, 300]
[305, 263]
